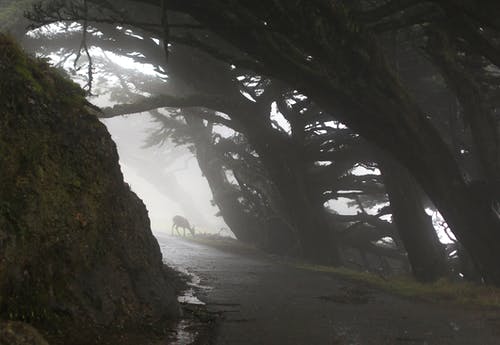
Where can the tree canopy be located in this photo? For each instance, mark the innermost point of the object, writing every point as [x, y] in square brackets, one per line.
[415, 82]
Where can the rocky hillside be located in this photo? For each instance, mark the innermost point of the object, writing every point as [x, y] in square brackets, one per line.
[76, 249]
[19, 333]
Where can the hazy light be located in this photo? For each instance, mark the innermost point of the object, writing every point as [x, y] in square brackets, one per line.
[386, 242]
[359, 170]
[223, 115]
[340, 192]
[386, 217]
[224, 131]
[323, 163]
[335, 124]
[341, 205]
[130, 132]
[53, 29]
[129, 63]
[230, 177]
[247, 95]
[279, 120]
[444, 233]
[299, 96]
[129, 32]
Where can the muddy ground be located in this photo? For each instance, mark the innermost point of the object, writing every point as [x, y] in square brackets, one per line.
[261, 299]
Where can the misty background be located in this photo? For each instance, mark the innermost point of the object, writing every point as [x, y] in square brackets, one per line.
[166, 178]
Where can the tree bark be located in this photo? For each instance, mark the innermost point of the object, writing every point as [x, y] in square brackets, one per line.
[478, 115]
[425, 253]
[318, 48]
[244, 227]
[349, 77]
[286, 167]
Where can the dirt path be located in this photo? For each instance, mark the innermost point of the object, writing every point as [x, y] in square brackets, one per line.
[267, 301]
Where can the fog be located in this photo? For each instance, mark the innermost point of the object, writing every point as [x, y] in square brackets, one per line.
[154, 172]
[331, 137]
[167, 177]
[164, 174]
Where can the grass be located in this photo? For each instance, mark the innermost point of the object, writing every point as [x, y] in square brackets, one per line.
[463, 293]
[444, 290]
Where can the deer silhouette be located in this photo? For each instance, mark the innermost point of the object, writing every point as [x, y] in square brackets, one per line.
[183, 223]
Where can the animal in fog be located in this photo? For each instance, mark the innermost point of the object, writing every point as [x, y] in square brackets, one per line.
[179, 222]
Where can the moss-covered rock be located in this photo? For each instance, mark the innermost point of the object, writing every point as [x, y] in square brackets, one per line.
[76, 249]
[19, 333]
[12, 15]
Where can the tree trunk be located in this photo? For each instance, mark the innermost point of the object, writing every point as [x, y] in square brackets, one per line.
[286, 167]
[244, 227]
[349, 77]
[425, 253]
[479, 116]
[283, 159]
[318, 48]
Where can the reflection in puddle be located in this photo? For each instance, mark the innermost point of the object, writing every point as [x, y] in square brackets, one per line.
[188, 297]
[194, 282]
[184, 333]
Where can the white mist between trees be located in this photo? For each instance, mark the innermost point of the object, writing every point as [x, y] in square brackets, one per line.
[130, 133]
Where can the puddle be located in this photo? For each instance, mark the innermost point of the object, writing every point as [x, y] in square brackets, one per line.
[194, 282]
[189, 295]
[197, 325]
[184, 334]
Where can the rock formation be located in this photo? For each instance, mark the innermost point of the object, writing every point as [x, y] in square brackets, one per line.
[19, 333]
[76, 249]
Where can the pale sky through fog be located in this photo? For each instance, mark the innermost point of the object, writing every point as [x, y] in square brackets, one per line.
[129, 134]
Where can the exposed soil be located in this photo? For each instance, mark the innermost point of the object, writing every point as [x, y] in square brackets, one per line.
[261, 299]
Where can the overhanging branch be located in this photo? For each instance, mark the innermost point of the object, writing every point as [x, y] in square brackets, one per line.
[166, 101]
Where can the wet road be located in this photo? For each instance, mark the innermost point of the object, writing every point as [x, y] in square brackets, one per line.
[268, 301]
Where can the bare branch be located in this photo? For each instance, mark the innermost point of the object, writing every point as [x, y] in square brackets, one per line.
[164, 101]
[199, 100]
[84, 46]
